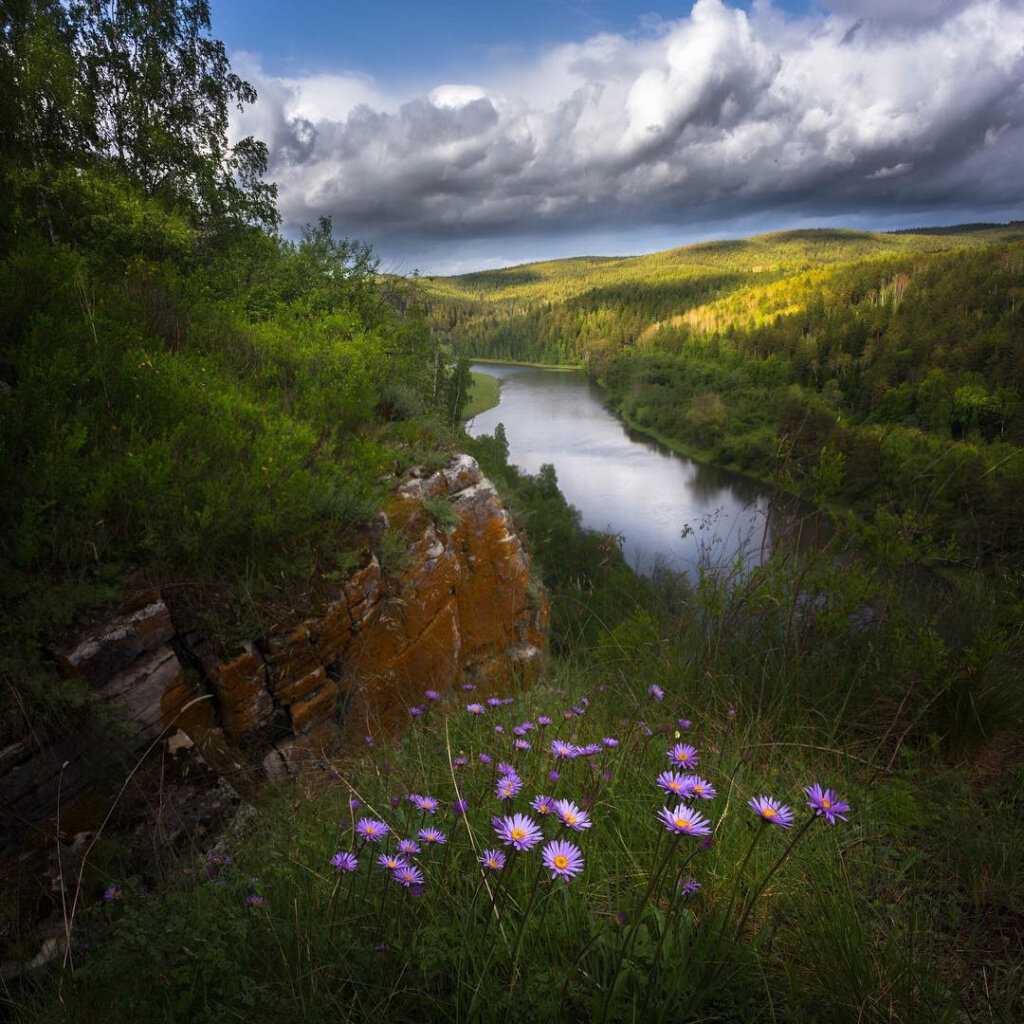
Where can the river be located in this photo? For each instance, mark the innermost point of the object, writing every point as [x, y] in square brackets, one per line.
[670, 511]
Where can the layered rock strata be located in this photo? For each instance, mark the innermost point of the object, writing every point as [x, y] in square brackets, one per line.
[464, 607]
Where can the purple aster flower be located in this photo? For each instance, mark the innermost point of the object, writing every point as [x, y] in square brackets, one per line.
[504, 768]
[431, 694]
[518, 831]
[687, 887]
[518, 730]
[610, 741]
[468, 687]
[589, 750]
[344, 862]
[522, 744]
[656, 691]
[391, 861]
[113, 893]
[684, 723]
[543, 804]
[685, 821]
[572, 816]
[408, 875]
[527, 726]
[485, 758]
[431, 835]
[553, 776]
[416, 711]
[684, 754]
[543, 720]
[372, 830]
[731, 712]
[460, 807]
[673, 782]
[495, 702]
[425, 803]
[408, 846]
[701, 787]
[560, 749]
[255, 900]
[771, 810]
[395, 801]
[826, 803]
[459, 762]
[493, 860]
[475, 709]
[509, 700]
[580, 710]
[563, 858]
[368, 740]
[499, 728]
[354, 802]
[508, 787]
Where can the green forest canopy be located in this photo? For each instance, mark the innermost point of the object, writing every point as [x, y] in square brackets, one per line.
[884, 370]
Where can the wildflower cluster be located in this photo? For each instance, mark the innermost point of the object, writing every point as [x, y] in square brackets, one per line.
[543, 801]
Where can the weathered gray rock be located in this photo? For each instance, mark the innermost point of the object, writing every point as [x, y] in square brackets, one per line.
[110, 650]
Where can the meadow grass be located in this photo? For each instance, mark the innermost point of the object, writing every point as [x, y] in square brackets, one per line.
[907, 910]
[486, 394]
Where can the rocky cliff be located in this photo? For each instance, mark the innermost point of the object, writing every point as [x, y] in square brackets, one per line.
[463, 607]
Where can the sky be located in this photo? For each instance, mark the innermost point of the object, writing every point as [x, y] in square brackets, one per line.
[458, 136]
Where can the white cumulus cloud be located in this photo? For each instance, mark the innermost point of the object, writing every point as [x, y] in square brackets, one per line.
[861, 105]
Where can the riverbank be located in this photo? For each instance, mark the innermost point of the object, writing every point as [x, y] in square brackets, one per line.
[484, 394]
[559, 368]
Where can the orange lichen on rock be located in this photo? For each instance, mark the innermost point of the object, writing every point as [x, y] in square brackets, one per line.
[464, 607]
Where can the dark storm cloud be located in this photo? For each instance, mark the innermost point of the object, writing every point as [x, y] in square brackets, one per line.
[871, 106]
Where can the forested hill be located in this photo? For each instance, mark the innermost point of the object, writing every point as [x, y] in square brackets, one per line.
[574, 310]
[885, 370]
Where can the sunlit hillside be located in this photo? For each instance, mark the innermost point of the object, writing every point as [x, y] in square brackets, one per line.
[564, 310]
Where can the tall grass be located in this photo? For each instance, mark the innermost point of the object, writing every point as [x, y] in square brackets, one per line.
[908, 911]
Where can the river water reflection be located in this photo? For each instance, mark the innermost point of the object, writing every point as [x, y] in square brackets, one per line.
[669, 510]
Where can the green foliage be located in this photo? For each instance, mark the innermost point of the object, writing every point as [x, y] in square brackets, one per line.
[442, 511]
[185, 399]
[880, 371]
[138, 86]
[891, 915]
[485, 393]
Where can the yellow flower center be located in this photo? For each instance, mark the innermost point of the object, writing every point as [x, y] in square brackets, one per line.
[826, 803]
[675, 787]
[682, 823]
[370, 830]
[769, 812]
[561, 861]
[570, 818]
[518, 833]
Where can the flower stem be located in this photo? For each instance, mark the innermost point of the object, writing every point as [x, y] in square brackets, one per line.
[522, 926]
[628, 943]
[771, 871]
[664, 932]
[739, 874]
